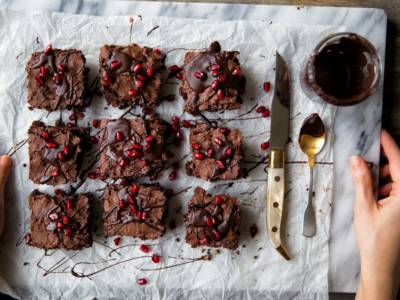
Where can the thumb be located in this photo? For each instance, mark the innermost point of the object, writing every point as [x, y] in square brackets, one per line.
[365, 199]
[5, 167]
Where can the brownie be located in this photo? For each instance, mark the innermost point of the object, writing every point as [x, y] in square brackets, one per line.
[60, 221]
[131, 75]
[55, 153]
[216, 153]
[212, 80]
[212, 220]
[57, 79]
[135, 210]
[133, 147]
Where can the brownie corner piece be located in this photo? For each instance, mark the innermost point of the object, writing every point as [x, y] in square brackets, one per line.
[131, 75]
[55, 153]
[57, 79]
[212, 220]
[216, 153]
[212, 80]
[133, 147]
[136, 210]
[60, 221]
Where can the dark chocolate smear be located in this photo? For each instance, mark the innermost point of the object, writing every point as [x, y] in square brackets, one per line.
[312, 126]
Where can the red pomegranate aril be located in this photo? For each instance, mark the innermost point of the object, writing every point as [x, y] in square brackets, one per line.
[203, 241]
[200, 75]
[222, 78]
[199, 156]
[43, 71]
[133, 154]
[219, 142]
[144, 215]
[119, 136]
[59, 225]
[174, 69]
[144, 248]
[57, 78]
[196, 146]
[68, 232]
[66, 150]
[142, 281]
[39, 79]
[215, 85]
[156, 258]
[224, 130]
[150, 72]
[217, 234]
[228, 152]
[141, 77]
[261, 109]
[210, 153]
[65, 220]
[96, 123]
[93, 139]
[121, 203]
[139, 83]
[236, 72]
[220, 164]
[266, 86]
[117, 241]
[175, 119]
[157, 51]
[264, 146]
[148, 148]
[61, 68]
[219, 200]
[179, 76]
[69, 204]
[61, 156]
[28, 238]
[53, 216]
[209, 221]
[58, 192]
[72, 117]
[134, 210]
[107, 80]
[92, 175]
[220, 94]
[51, 145]
[266, 113]
[186, 123]
[48, 50]
[131, 200]
[172, 175]
[137, 146]
[215, 67]
[123, 163]
[45, 135]
[134, 189]
[137, 68]
[214, 73]
[179, 136]
[115, 64]
[149, 138]
[133, 92]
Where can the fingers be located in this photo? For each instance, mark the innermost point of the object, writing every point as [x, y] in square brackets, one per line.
[392, 153]
[385, 190]
[5, 167]
[362, 178]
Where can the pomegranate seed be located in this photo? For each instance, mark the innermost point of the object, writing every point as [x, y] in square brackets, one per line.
[53, 216]
[228, 152]
[217, 234]
[215, 85]
[210, 153]
[43, 71]
[137, 68]
[39, 79]
[179, 76]
[264, 146]
[214, 73]
[175, 120]
[204, 241]
[266, 113]
[172, 175]
[236, 72]
[66, 150]
[220, 94]
[156, 258]
[107, 80]
[149, 138]
[137, 146]
[150, 72]
[142, 281]
[144, 248]
[215, 67]
[224, 130]
[219, 142]
[123, 163]
[121, 204]
[157, 51]
[179, 136]
[45, 135]
[186, 124]
[58, 192]
[222, 78]
[266, 86]
[141, 77]
[69, 204]
[68, 232]
[51, 145]
[133, 154]
[93, 139]
[133, 92]
[148, 148]
[199, 156]
[174, 69]
[219, 200]
[200, 75]
[60, 68]
[209, 221]
[119, 136]
[61, 156]
[72, 117]
[96, 123]
[115, 64]
[28, 238]
[123, 182]
[134, 189]
[220, 164]
[117, 241]
[48, 50]
[65, 220]
[133, 210]
[92, 175]
[144, 215]
[57, 78]
[261, 109]
[59, 225]
[139, 83]
[196, 146]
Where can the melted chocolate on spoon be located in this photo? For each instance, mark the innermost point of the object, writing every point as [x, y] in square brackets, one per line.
[312, 126]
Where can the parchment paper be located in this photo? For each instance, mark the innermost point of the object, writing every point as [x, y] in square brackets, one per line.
[255, 270]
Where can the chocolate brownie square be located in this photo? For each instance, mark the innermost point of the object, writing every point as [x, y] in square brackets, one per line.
[57, 79]
[131, 75]
[60, 221]
[135, 210]
[216, 153]
[55, 153]
[212, 220]
[212, 80]
[132, 147]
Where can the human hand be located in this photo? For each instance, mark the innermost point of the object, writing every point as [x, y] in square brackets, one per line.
[377, 224]
[5, 167]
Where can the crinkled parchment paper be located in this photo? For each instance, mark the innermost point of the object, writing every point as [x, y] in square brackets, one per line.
[255, 270]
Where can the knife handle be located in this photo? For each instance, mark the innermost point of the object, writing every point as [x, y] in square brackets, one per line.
[275, 199]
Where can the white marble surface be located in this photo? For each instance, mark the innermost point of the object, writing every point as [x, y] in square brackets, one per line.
[357, 128]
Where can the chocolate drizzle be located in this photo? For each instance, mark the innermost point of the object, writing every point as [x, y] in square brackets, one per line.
[312, 126]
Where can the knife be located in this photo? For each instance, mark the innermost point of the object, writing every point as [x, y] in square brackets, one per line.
[280, 111]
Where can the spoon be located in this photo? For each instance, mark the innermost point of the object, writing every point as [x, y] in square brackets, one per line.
[311, 139]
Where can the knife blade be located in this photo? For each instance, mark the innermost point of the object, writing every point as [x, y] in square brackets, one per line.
[280, 114]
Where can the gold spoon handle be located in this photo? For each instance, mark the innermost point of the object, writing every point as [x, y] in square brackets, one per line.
[309, 226]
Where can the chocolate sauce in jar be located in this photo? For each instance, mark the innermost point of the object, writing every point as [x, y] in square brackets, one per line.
[343, 69]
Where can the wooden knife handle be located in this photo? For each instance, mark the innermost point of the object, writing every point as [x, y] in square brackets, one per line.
[275, 199]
